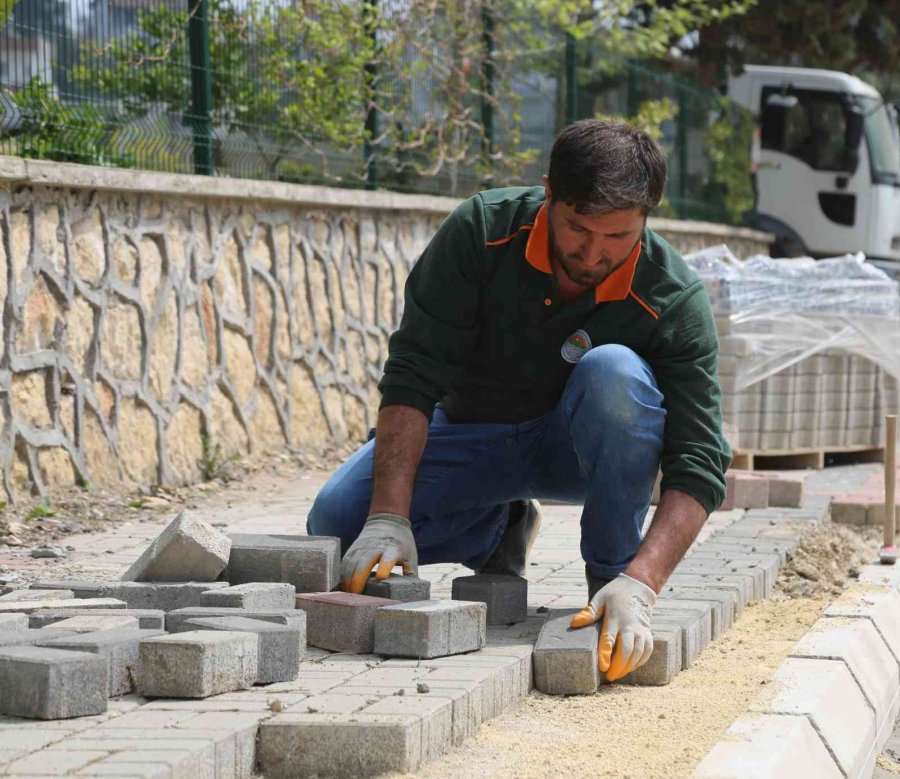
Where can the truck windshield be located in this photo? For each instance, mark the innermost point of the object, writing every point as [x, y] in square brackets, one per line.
[882, 141]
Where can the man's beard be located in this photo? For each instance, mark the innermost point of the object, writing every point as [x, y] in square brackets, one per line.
[575, 271]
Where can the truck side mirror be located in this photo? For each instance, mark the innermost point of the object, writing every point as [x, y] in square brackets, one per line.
[782, 100]
[855, 126]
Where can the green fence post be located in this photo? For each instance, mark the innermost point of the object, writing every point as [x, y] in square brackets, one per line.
[571, 85]
[201, 86]
[370, 9]
[487, 89]
[682, 146]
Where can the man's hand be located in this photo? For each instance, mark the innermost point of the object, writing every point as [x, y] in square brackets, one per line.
[386, 540]
[625, 605]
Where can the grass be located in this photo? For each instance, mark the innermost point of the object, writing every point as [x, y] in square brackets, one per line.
[43, 509]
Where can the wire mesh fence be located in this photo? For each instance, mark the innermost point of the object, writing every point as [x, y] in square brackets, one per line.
[408, 95]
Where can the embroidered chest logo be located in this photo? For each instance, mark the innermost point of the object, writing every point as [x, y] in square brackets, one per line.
[576, 346]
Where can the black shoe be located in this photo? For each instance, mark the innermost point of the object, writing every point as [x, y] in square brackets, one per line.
[594, 583]
[510, 558]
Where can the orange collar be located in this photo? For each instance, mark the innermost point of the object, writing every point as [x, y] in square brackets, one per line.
[616, 286]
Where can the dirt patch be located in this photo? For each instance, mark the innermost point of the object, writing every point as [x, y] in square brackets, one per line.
[639, 732]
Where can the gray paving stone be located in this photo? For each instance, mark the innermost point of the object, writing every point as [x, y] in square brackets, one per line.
[80, 587]
[665, 662]
[565, 659]
[726, 572]
[13, 622]
[695, 632]
[781, 547]
[26, 595]
[39, 683]
[401, 588]
[435, 717]
[727, 599]
[290, 617]
[90, 623]
[197, 664]
[311, 564]
[258, 595]
[698, 607]
[431, 628]
[148, 619]
[341, 621]
[120, 648]
[28, 636]
[281, 648]
[743, 584]
[188, 549]
[164, 596]
[785, 492]
[506, 597]
[28, 606]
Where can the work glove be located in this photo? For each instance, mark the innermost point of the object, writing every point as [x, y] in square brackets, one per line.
[625, 604]
[385, 540]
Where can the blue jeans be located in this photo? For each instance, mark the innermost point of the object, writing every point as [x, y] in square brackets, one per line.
[600, 446]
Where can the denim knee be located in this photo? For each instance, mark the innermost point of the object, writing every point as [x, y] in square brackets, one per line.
[335, 513]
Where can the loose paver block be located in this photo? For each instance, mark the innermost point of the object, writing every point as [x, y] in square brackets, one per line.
[293, 618]
[745, 491]
[197, 664]
[506, 597]
[311, 564]
[402, 588]
[29, 636]
[695, 632]
[280, 648]
[188, 549]
[565, 659]
[770, 745]
[120, 648]
[81, 588]
[28, 606]
[25, 595]
[826, 693]
[258, 595]
[165, 596]
[785, 492]
[431, 628]
[728, 601]
[880, 605]
[742, 591]
[147, 619]
[40, 683]
[698, 607]
[341, 621]
[665, 662]
[13, 622]
[90, 623]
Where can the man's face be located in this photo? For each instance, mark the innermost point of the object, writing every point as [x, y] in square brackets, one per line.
[587, 248]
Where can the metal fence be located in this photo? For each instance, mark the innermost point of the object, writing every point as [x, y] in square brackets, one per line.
[322, 91]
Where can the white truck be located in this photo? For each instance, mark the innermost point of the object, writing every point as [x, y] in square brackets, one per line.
[826, 161]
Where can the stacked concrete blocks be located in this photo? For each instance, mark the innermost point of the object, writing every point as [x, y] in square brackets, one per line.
[147, 619]
[565, 659]
[29, 606]
[291, 617]
[311, 564]
[40, 683]
[90, 623]
[197, 664]
[402, 588]
[280, 648]
[13, 622]
[341, 621]
[164, 596]
[258, 595]
[427, 629]
[188, 549]
[506, 597]
[666, 661]
[28, 636]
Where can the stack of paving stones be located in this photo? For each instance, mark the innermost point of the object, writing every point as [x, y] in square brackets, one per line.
[863, 506]
[752, 490]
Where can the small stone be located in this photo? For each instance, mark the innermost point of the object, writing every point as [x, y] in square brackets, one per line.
[422, 688]
[49, 551]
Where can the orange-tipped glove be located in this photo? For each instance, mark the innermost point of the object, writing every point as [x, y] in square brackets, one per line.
[386, 540]
[625, 605]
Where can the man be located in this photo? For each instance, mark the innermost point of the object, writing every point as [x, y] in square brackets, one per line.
[570, 351]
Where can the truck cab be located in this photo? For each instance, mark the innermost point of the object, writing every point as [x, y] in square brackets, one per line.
[826, 161]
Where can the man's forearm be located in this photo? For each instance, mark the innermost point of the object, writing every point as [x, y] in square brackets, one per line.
[676, 523]
[399, 442]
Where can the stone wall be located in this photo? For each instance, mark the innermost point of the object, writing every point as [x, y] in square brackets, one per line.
[147, 316]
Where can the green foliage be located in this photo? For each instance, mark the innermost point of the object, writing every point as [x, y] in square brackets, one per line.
[43, 509]
[135, 503]
[213, 464]
[728, 143]
[6, 9]
[650, 116]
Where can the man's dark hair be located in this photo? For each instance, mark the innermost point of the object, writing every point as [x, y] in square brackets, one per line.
[600, 166]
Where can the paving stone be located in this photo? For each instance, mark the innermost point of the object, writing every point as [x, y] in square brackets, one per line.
[856, 642]
[28, 636]
[665, 662]
[90, 623]
[435, 717]
[54, 762]
[431, 628]
[290, 617]
[825, 692]
[281, 648]
[10, 622]
[742, 590]
[746, 491]
[311, 564]
[164, 596]
[785, 492]
[39, 683]
[709, 578]
[698, 607]
[26, 595]
[81, 588]
[197, 664]
[258, 595]
[28, 606]
[188, 549]
[341, 621]
[775, 746]
[880, 605]
[735, 545]
[506, 597]
[401, 588]
[728, 601]
[730, 572]
[119, 647]
[339, 745]
[147, 619]
[695, 634]
[565, 659]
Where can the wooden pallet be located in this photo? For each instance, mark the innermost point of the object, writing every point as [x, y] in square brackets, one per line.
[811, 457]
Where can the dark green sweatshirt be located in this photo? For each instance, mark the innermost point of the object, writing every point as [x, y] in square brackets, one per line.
[485, 333]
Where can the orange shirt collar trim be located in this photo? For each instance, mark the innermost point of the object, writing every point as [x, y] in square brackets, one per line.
[616, 286]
